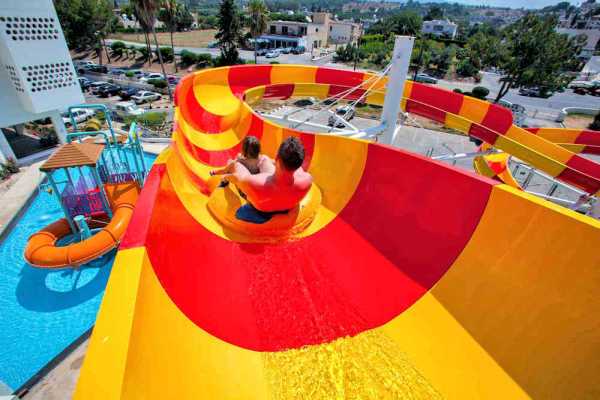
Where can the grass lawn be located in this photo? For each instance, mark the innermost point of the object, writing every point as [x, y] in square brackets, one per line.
[199, 38]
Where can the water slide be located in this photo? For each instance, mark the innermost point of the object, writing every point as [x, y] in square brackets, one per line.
[42, 250]
[413, 280]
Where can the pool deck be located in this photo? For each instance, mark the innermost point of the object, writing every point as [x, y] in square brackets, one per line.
[13, 200]
[59, 382]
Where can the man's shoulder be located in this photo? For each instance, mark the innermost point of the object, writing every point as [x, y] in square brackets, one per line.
[303, 180]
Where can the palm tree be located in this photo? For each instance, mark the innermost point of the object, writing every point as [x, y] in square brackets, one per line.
[146, 10]
[168, 15]
[146, 29]
[259, 18]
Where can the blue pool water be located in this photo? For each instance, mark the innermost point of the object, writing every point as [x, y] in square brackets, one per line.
[42, 312]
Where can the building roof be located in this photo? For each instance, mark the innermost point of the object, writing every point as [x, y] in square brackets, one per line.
[73, 155]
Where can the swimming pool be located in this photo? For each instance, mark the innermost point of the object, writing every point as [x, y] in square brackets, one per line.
[43, 311]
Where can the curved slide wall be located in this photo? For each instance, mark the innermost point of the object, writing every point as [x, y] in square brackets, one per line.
[415, 280]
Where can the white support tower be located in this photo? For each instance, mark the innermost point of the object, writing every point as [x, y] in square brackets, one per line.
[395, 87]
[37, 77]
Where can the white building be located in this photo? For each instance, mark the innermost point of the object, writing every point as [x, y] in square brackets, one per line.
[320, 32]
[343, 32]
[440, 27]
[37, 77]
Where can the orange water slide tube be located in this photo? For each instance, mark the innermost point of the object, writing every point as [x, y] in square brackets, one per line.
[43, 252]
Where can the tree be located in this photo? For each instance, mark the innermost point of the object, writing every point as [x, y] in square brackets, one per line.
[537, 55]
[168, 16]
[146, 29]
[184, 19]
[85, 22]
[146, 11]
[404, 23]
[485, 50]
[259, 17]
[229, 32]
[435, 12]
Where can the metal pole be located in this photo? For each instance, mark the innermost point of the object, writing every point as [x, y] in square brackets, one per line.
[103, 195]
[70, 177]
[395, 86]
[65, 210]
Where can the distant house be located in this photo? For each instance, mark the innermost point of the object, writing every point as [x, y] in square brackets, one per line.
[320, 32]
[440, 27]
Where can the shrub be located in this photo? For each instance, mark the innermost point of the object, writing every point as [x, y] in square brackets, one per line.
[166, 53]
[158, 83]
[118, 47]
[274, 62]
[11, 166]
[457, 90]
[129, 74]
[143, 52]
[466, 68]
[152, 119]
[49, 140]
[3, 173]
[204, 59]
[480, 92]
[595, 125]
[219, 62]
[188, 58]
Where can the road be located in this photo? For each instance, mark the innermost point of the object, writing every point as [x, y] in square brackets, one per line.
[542, 108]
[247, 55]
[550, 105]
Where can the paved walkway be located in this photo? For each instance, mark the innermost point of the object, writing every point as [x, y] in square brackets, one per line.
[18, 194]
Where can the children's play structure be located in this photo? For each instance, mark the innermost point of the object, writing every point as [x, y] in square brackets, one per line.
[96, 177]
[400, 277]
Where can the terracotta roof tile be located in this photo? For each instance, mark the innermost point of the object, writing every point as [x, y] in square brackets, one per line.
[73, 155]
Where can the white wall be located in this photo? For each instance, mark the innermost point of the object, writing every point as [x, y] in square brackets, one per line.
[37, 76]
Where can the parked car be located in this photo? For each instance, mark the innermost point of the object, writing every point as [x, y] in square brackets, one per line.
[286, 50]
[82, 63]
[126, 93]
[153, 75]
[127, 109]
[117, 71]
[84, 83]
[145, 96]
[585, 87]
[424, 78]
[108, 90]
[262, 52]
[272, 53]
[580, 84]
[99, 69]
[298, 50]
[213, 45]
[94, 86]
[173, 80]
[343, 112]
[81, 115]
[535, 91]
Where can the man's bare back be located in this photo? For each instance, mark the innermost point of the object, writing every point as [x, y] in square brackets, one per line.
[279, 185]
